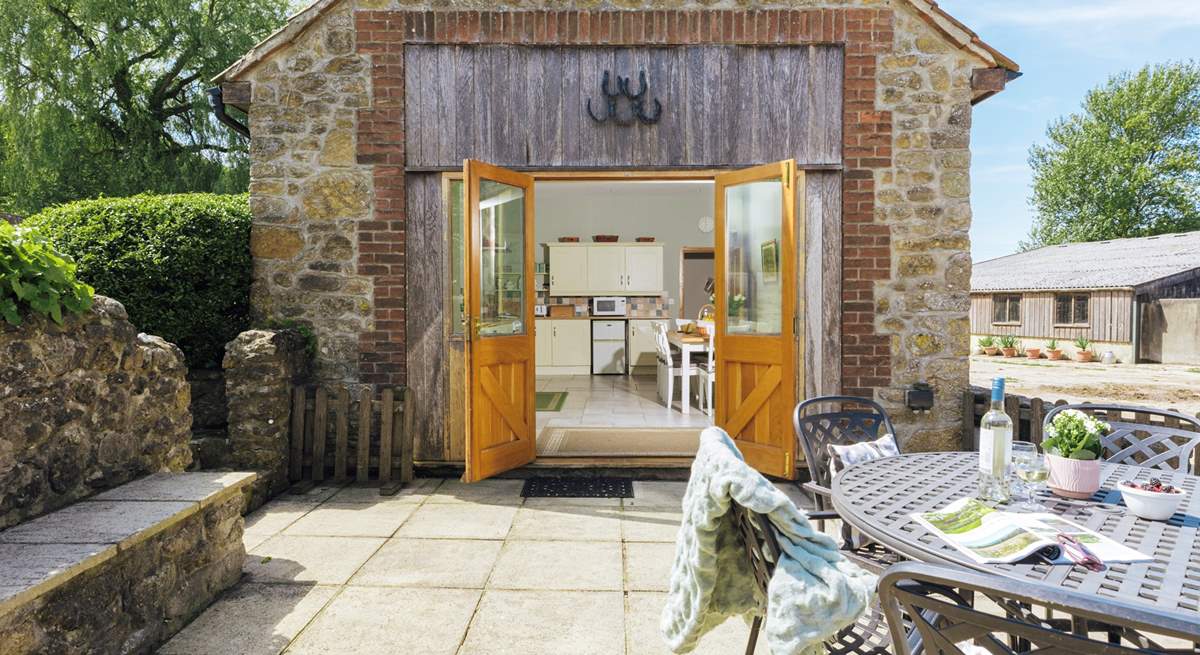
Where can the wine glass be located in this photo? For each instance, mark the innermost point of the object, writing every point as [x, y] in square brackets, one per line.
[1031, 468]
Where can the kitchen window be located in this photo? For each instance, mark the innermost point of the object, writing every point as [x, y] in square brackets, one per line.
[1006, 308]
[1071, 309]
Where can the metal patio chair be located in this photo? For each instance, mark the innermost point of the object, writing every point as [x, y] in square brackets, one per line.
[817, 429]
[1154, 438]
[1011, 625]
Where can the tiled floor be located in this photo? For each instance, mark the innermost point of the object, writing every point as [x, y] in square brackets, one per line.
[619, 401]
[453, 569]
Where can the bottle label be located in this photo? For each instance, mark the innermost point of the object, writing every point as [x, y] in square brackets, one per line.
[994, 456]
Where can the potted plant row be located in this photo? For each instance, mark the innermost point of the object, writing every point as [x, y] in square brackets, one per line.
[1009, 345]
[1073, 451]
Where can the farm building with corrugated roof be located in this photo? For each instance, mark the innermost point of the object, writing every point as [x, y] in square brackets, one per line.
[1124, 295]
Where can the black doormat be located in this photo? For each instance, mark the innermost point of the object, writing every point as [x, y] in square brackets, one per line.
[547, 487]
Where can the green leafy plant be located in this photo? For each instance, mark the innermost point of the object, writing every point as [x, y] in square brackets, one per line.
[986, 342]
[1082, 343]
[35, 277]
[179, 263]
[1008, 341]
[1075, 435]
[1052, 344]
[306, 331]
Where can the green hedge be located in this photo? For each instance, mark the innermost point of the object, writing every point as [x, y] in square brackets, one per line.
[34, 277]
[179, 263]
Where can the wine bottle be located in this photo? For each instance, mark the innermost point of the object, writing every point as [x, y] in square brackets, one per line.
[995, 448]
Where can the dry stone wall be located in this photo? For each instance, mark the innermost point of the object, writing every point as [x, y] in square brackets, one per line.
[86, 406]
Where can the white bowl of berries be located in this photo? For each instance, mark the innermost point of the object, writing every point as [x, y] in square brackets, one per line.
[1151, 500]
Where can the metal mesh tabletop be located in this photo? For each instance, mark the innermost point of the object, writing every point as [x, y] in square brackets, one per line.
[877, 498]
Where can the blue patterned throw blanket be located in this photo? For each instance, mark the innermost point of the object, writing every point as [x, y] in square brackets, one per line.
[814, 592]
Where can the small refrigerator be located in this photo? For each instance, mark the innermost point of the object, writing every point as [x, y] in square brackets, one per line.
[608, 348]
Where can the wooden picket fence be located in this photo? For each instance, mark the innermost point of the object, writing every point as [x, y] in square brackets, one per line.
[321, 436]
[1028, 414]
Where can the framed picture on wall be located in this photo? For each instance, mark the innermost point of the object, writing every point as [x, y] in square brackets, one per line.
[770, 260]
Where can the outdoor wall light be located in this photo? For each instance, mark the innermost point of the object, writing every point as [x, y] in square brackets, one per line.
[919, 398]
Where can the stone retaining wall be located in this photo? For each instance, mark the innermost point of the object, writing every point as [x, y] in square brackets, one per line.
[140, 597]
[86, 406]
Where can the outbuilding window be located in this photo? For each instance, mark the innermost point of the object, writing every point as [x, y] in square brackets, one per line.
[1071, 309]
[1006, 308]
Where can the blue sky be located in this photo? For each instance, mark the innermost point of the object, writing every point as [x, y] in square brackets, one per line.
[1064, 48]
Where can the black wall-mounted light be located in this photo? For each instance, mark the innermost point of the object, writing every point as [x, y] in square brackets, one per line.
[919, 397]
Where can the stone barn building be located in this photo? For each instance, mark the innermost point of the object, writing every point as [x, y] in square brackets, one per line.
[836, 134]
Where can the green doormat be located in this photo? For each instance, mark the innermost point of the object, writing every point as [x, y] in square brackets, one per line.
[550, 401]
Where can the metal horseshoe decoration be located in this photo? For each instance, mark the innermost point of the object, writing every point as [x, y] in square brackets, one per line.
[637, 102]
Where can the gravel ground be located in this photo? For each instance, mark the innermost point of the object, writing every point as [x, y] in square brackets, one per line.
[1156, 385]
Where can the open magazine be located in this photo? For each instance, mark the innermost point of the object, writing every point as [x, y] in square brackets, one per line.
[991, 536]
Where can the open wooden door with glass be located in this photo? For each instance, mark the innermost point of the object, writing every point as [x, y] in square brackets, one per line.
[499, 303]
[756, 327]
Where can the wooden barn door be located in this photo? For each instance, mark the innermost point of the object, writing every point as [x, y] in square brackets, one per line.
[501, 430]
[756, 327]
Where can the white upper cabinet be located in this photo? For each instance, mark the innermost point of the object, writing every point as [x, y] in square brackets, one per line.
[568, 270]
[605, 269]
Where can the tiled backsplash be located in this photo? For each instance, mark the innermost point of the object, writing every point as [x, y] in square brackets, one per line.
[639, 306]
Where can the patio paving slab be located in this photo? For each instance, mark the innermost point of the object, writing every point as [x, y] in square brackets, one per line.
[648, 566]
[204, 487]
[390, 620]
[273, 517]
[547, 623]
[504, 492]
[657, 494]
[251, 619]
[550, 503]
[100, 522]
[558, 565]
[414, 492]
[643, 612]
[567, 523]
[323, 560]
[452, 563]
[459, 521]
[334, 519]
[654, 524]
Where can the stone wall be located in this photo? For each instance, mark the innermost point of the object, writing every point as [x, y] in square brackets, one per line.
[328, 190]
[136, 600]
[86, 406]
[261, 367]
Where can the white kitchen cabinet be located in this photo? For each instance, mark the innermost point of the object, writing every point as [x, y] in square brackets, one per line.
[605, 269]
[643, 353]
[564, 346]
[643, 269]
[568, 269]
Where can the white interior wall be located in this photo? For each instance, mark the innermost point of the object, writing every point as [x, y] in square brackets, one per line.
[668, 211]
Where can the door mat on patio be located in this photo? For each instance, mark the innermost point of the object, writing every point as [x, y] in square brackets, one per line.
[618, 442]
[547, 487]
[549, 401]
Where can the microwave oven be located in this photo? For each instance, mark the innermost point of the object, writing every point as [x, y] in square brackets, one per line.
[609, 306]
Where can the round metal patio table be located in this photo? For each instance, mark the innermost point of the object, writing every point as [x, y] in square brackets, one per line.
[877, 498]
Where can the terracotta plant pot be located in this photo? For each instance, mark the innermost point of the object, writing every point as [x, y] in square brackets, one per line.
[1055, 354]
[1073, 478]
[992, 351]
[1009, 352]
[1085, 356]
[1033, 353]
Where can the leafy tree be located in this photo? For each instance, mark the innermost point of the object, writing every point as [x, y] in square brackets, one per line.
[106, 97]
[1127, 165]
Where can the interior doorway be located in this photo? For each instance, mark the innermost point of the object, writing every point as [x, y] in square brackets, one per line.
[597, 306]
[697, 279]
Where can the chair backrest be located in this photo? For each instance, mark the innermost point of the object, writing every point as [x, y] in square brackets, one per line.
[660, 342]
[1143, 436]
[711, 326]
[930, 599]
[817, 428]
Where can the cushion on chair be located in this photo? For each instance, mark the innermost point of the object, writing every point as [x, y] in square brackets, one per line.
[841, 457]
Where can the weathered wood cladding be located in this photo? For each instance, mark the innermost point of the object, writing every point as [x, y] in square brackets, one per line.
[723, 106]
[435, 362]
[1109, 317]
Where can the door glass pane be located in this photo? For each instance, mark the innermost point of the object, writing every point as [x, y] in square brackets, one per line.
[502, 260]
[458, 252]
[753, 284]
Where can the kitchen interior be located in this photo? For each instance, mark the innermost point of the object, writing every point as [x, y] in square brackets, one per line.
[613, 259]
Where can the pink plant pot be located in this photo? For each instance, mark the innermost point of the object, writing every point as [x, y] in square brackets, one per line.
[1073, 478]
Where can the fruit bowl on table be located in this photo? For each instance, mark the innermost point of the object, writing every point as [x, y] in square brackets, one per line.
[1151, 500]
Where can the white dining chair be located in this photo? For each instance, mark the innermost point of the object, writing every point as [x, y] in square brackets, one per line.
[707, 370]
[668, 365]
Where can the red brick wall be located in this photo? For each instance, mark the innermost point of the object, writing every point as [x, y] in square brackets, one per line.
[865, 33]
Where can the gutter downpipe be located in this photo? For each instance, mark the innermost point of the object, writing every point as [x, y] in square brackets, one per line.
[218, 106]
